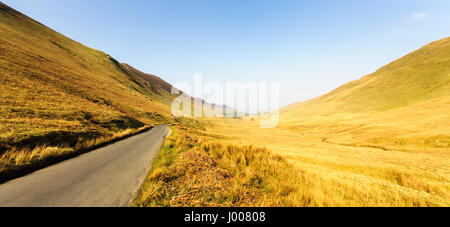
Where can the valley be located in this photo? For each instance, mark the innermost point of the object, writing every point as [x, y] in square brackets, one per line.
[380, 141]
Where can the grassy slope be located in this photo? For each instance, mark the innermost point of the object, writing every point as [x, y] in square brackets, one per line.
[403, 103]
[55, 92]
[419, 76]
[53, 87]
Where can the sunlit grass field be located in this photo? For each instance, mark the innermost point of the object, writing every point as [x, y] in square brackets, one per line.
[331, 174]
[233, 162]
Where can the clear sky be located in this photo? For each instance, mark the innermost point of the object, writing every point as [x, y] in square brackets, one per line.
[310, 47]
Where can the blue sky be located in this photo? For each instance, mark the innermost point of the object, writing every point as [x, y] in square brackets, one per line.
[310, 47]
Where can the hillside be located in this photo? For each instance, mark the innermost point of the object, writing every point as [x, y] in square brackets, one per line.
[55, 90]
[157, 85]
[405, 102]
[419, 76]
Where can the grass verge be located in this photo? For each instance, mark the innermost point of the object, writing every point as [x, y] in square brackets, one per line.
[191, 171]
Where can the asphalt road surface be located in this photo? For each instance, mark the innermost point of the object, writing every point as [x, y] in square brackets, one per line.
[109, 176]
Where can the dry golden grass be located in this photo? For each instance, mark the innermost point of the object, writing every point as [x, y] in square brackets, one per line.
[422, 126]
[216, 163]
[192, 172]
[328, 174]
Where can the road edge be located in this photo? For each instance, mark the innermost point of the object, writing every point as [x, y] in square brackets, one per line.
[24, 171]
[132, 201]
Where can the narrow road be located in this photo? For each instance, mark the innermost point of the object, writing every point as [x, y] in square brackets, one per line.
[109, 176]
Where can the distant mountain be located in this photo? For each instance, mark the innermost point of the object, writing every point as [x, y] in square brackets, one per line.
[164, 90]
